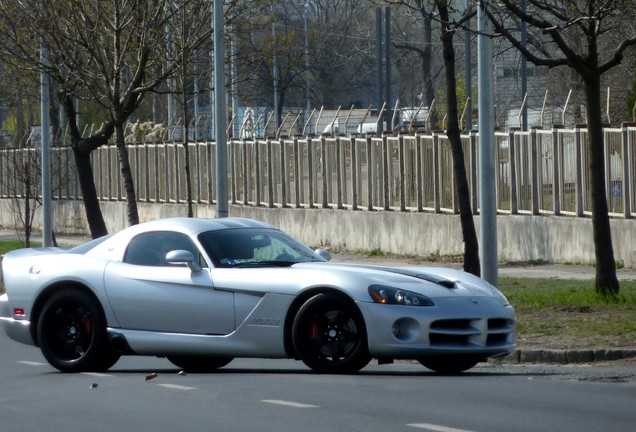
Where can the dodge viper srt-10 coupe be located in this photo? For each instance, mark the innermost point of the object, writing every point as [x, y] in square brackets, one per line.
[201, 292]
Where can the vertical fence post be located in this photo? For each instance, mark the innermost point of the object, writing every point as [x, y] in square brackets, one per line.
[310, 171]
[197, 156]
[326, 174]
[401, 173]
[270, 174]
[437, 175]
[298, 181]
[474, 188]
[626, 189]
[354, 173]
[147, 170]
[284, 178]
[257, 165]
[512, 157]
[580, 169]
[246, 172]
[386, 173]
[419, 182]
[370, 178]
[166, 162]
[339, 170]
[534, 172]
[177, 177]
[556, 170]
[233, 146]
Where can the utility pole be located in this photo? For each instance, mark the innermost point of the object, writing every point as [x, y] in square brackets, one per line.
[47, 231]
[487, 190]
[220, 110]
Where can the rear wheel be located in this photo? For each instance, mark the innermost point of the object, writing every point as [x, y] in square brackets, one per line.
[329, 335]
[72, 333]
[199, 364]
[449, 365]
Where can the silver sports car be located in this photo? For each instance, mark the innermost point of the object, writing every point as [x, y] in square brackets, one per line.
[201, 292]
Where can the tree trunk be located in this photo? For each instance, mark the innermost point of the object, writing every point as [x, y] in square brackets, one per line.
[606, 280]
[94, 216]
[126, 172]
[471, 245]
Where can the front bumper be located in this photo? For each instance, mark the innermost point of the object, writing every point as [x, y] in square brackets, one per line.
[17, 329]
[480, 327]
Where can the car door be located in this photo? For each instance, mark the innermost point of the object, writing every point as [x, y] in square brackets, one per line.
[147, 293]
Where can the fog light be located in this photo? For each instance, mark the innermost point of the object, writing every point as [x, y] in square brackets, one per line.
[406, 329]
[396, 328]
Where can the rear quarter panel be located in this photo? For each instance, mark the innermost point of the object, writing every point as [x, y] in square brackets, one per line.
[31, 273]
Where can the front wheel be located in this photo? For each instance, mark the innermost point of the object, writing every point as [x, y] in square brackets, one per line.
[449, 365]
[199, 364]
[329, 335]
[72, 333]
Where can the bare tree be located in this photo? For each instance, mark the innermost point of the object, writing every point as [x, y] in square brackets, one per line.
[110, 53]
[453, 130]
[591, 37]
[20, 180]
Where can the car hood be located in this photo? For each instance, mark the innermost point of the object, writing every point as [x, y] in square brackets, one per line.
[434, 282]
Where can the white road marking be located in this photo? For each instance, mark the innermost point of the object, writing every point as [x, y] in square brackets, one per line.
[31, 363]
[97, 374]
[436, 428]
[177, 387]
[288, 403]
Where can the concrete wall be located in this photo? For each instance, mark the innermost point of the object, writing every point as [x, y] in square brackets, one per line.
[520, 237]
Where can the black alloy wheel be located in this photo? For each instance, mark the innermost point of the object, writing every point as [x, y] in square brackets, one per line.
[329, 335]
[72, 333]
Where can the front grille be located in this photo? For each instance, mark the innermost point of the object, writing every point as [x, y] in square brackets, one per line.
[463, 332]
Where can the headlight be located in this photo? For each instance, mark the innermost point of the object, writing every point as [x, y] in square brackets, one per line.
[388, 295]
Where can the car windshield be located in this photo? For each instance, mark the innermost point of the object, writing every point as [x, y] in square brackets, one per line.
[250, 247]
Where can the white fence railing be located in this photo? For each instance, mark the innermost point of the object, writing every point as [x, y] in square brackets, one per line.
[538, 172]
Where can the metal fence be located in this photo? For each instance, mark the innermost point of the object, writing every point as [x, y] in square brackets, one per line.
[538, 172]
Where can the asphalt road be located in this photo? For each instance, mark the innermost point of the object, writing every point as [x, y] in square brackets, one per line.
[275, 395]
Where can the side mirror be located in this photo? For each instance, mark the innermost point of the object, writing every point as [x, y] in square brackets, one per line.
[183, 257]
[323, 254]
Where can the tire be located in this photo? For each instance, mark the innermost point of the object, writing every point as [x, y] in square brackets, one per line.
[199, 364]
[449, 365]
[329, 335]
[72, 335]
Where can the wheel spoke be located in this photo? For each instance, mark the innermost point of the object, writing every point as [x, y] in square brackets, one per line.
[341, 318]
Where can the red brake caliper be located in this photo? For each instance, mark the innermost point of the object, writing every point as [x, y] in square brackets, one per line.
[313, 330]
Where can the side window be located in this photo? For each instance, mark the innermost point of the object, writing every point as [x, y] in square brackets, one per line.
[150, 249]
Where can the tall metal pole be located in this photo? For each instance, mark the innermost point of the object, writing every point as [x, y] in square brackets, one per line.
[487, 190]
[307, 90]
[468, 71]
[236, 126]
[378, 58]
[275, 73]
[387, 85]
[47, 232]
[220, 110]
[524, 72]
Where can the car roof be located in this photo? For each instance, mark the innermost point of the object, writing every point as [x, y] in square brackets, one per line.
[113, 247]
[197, 225]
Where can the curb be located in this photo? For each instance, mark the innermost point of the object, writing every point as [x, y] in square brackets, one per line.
[566, 356]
